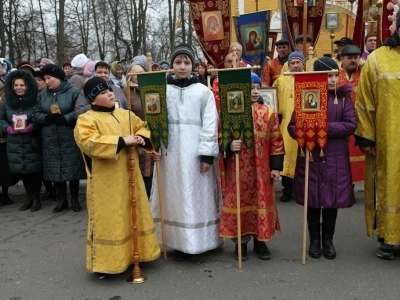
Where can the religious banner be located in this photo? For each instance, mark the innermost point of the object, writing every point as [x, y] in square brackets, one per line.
[294, 14]
[236, 106]
[359, 26]
[153, 93]
[311, 110]
[388, 19]
[252, 31]
[284, 22]
[212, 22]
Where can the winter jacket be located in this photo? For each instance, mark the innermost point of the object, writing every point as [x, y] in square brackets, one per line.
[76, 78]
[62, 160]
[330, 184]
[21, 156]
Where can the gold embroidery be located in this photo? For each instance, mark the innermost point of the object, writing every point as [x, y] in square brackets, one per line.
[357, 158]
[188, 225]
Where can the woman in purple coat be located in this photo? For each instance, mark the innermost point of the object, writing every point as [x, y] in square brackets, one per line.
[330, 185]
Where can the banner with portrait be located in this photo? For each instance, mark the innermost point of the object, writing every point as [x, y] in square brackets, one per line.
[153, 94]
[212, 22]
[294, 18]
[236, 106]
[252, 31]
[311, 109]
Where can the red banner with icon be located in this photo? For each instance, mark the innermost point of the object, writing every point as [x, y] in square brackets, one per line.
[212, 22]
[311, 110]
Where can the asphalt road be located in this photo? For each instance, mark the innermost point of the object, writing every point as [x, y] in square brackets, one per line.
[42, 256]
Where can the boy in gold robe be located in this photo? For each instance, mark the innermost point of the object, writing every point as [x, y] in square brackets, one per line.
[102, 134]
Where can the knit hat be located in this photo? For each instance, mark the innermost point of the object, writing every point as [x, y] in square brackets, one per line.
[25, 64]
[296, 55]
[94, 86]
[45, 61]
[182, 49]
[140, 60]
[89, 69]
[325, 64]
[79, 61]
[38, 74]
[164, 65]
[255, 78]
[53, 71]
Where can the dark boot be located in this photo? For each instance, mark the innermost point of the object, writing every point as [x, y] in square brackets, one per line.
[1, 200]
[314, 249]
[37, 205]
[29, 200]
[261, 250]
[5, 197]
[49, 191]
[328, 229]
[61, 188]
[244, 252]
[74, 191]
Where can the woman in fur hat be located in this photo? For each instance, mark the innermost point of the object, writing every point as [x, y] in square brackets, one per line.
[16, 119]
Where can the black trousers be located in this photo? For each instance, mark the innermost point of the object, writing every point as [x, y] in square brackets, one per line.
[287, 184]
[32, 182]
[329, 215]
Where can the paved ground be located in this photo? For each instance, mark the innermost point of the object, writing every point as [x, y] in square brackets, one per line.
[42, 256]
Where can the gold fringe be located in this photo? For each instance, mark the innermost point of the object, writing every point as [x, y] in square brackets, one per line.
[311, 157]
[166, 152]
[336, 101]
[321, 153]
[301, 152]
[224, 154]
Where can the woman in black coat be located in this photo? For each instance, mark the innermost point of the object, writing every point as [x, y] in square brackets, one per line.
[16, 119]
[62, 159]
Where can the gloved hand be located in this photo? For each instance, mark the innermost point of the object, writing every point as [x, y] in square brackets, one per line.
[60, 120]
[51, 118]
[10, 130]
[29, 128]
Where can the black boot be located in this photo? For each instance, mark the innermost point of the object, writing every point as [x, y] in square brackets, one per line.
[61, 188]
[29, 200]
[74, 191]
[314, 249]
[5, 197]
[49, 191]
[1, 200]
[328, 229]
[37, 205]
[244, 252]
[261, 250]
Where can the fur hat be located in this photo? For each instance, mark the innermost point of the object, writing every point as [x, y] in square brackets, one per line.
[94, 86]
[140, 60]
[325, 64]
[296, 55]
[25, 64]
[79, 61]
[53, 71]
[182, 49]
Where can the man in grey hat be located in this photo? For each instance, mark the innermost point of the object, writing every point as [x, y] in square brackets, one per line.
[273, 68]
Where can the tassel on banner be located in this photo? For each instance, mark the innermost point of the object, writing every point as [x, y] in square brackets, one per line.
[311, 157]
[301, 152]
[321, 153]
[166, 152]
[336, 101]
[224, 154]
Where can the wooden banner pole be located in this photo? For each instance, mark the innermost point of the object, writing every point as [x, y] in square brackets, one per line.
[305, 207]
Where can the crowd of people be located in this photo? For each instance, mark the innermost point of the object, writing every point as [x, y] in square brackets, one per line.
[60, 125]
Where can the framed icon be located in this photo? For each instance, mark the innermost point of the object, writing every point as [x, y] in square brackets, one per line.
[332, 20]
[269, 96]
[19, 122]
[152, 103]
[310, 100]
[235, 102]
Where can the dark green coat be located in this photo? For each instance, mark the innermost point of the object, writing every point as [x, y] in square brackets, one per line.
[22, 158]
[62, 159]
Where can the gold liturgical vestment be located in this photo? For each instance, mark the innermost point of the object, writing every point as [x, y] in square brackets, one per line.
[109, 235]
[378, 114]
[285, 91]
